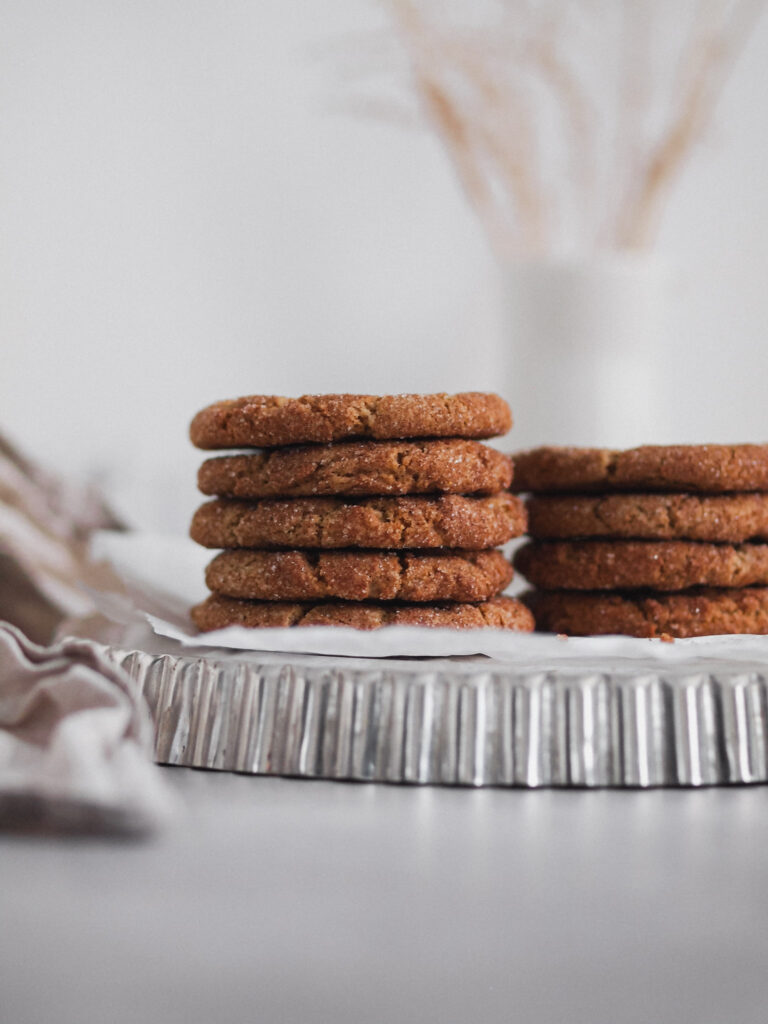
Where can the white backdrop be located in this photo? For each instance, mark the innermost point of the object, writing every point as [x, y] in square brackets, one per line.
[183, 218]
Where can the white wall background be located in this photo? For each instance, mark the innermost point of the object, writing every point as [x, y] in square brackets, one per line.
[183, 218]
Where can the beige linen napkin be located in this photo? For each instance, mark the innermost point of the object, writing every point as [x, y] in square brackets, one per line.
[45, 526]
[75, 742]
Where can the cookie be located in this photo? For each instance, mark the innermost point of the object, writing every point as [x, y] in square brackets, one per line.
[262, 421]
[724, 518]
[660, 565]
[714, 468]
[359, 467]
[359, 575]
[696, 613]
[217, 612]
[450, 521]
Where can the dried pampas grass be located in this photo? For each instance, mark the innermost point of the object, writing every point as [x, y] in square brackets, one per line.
[568, 122]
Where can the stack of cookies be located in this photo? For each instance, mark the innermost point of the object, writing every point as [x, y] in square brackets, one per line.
[360, 511]
[667, 541]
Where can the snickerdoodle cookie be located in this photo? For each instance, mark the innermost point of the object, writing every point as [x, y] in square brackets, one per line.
[446, 521]
[217, 612]
[722, 518]
[660, 565]
[712, 468]
[262, 421]
[359, 468]
[695, 613]
[359, 575]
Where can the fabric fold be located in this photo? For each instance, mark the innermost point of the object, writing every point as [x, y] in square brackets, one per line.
[76, 742]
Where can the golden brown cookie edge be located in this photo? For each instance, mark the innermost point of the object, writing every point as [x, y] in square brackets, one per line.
[723, 518]
[705, 612]
[359, 469]
[627, 564]
[499, 613]
[709, 468]
[419, 577]
[403, 523]
[272, 420]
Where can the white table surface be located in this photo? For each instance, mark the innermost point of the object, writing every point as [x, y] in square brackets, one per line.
[276, 900]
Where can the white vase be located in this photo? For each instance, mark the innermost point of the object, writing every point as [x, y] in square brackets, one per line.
[584, 359]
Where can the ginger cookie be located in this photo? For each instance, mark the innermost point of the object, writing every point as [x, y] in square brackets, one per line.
[448, 521]
[722, 518]
[359, 468]
[629, 564]
[359, 575]
[695, 613]
[217, 612]
[263, 421]
[712, 468]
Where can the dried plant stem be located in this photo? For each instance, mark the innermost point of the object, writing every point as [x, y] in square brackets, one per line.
[454, 130]
[578, 115]
[592, 84]
[715, 53]
[634, 97]
[506, 132]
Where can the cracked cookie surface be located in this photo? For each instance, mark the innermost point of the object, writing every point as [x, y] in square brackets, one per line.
[359, 468]
[659, 565]
[724, 518]
[714, 468]
[217, 612]
[448, 521]
[695, 613]
[359, 575]
[263, 421]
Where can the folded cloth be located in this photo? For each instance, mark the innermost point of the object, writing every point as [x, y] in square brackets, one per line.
[45, 526]
[75, 742]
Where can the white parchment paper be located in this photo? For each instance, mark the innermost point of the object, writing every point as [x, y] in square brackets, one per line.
[163, 576]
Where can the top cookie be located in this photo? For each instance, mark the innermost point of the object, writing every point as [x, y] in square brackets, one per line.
[713, 468]
[265, 421]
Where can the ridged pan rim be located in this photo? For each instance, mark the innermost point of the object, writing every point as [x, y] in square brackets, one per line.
[477, 722]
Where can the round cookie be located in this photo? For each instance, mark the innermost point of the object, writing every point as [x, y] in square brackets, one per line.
[696, 613]
[262, 421]
[714, 468]
[631, 564]
[218, 612]
[449, 521]
[358, 575]
[359, 468]
[722, 518]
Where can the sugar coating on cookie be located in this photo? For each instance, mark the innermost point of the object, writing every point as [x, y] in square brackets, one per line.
[447, 521]
[695, 613]
[722, 518]
[218, 612]
[359, 575]
[263, 421]
[359, 468]
[628, 564]
[713, 468]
